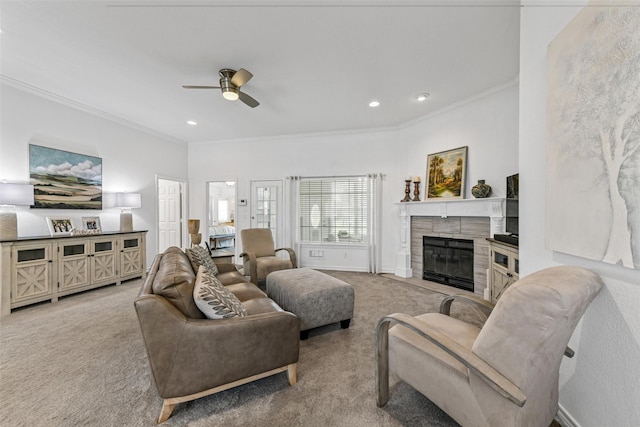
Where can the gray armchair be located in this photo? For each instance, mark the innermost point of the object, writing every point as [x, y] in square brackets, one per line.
[259, 254]
[503, 374]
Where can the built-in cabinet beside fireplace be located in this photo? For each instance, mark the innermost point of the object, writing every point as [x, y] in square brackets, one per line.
[504, 267]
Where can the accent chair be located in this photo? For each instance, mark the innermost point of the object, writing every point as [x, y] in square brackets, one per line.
[502, 374]
[259, 254]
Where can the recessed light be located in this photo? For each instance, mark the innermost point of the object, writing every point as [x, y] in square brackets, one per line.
[374, 104]
[422, 96]
[192, 123]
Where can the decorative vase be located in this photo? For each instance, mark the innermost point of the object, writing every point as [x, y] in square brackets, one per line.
[196, 239]
[193, 226]
[481, 190]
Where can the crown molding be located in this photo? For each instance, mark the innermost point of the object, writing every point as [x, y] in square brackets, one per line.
[377, 130]
[282, 137]
[514, 81]
[9, 81]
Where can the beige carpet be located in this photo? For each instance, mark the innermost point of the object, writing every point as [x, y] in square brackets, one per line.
[81, 362]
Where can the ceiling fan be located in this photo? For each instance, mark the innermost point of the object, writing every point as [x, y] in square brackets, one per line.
[230, 83]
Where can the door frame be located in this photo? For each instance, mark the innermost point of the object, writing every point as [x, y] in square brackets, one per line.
[184, 195]
[205, 235]
[279, 238]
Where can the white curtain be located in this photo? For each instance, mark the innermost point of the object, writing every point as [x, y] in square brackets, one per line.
[374, 186]
[291, 201]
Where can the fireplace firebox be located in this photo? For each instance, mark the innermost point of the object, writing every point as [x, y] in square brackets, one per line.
[448, 261]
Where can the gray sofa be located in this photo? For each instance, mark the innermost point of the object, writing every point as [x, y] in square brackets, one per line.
[192, 356]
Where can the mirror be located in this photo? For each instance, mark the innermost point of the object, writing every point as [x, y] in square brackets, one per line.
[221, 210]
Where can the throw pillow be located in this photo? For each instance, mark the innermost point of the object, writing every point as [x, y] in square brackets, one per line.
[213, 299]
[200, 256]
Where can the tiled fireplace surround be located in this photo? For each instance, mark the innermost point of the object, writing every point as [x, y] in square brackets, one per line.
[472, 219]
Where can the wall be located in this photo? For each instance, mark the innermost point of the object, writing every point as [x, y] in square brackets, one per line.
[599, 386]
[128, 155]
[487, 124]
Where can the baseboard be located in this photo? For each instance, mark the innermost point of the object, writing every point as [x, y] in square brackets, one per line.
[565, 419]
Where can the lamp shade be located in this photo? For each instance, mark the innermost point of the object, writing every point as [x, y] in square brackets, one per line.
[16, 194]
[128, 200]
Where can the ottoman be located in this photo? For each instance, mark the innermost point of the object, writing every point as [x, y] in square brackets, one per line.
[316, 298]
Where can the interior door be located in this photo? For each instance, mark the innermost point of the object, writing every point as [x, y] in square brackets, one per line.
[169, 214]
[267, 208]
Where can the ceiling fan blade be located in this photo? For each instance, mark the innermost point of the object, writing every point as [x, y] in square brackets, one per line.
[241, 77]
[248, 100]
[200, 87]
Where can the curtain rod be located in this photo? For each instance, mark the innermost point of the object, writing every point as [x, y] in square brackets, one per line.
[367, 175]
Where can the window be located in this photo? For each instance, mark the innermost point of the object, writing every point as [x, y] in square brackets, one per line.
[333, 210]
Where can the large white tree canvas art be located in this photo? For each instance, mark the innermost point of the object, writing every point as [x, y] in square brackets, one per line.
[593, 140]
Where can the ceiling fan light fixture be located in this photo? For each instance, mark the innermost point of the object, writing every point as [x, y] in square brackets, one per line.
[229, 90]
[230, 94]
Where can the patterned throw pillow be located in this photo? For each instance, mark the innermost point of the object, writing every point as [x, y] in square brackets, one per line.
[213, 299]
[200, 256]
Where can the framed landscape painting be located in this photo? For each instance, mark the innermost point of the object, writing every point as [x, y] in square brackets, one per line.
[65, 180]
[446, 173]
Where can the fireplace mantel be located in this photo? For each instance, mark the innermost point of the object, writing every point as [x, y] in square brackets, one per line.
[493, 207]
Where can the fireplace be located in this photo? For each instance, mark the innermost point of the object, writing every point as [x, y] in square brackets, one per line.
[448, 261]
[473, 219]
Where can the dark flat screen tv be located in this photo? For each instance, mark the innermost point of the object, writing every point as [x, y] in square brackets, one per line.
[511, 212]
[513, 186]
[512, 216]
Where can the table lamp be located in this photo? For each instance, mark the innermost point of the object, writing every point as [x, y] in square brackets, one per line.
[127, 201]
[12, 195]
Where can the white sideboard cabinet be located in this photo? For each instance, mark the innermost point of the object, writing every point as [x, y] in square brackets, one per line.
[36, 269]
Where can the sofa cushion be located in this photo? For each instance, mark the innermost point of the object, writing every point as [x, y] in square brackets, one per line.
[174, 281]
[231, 277]
[245, 291]
[200, 256]
[213, 299]
[261, 305]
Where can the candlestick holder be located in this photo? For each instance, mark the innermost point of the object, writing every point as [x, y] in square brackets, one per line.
[407, 191]
[416, 191]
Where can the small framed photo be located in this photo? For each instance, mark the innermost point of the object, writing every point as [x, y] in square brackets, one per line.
[60, 225]
[91, 223]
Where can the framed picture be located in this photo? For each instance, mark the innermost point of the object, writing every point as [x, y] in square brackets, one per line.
[60, 225]
[446, 174]
[91, 223]
[65, 180]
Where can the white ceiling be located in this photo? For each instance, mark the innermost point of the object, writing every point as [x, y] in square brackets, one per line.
[316, 64]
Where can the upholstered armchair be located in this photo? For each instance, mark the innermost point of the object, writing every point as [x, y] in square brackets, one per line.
[503, 374]
[259, 254]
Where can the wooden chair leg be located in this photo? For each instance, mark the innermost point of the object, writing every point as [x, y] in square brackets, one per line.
[292, 373]
[382, 362]
[165, 413]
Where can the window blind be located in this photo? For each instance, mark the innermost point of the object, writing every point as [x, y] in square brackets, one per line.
[333, 210]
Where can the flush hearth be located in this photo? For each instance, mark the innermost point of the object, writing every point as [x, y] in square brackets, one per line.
[448, 261]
